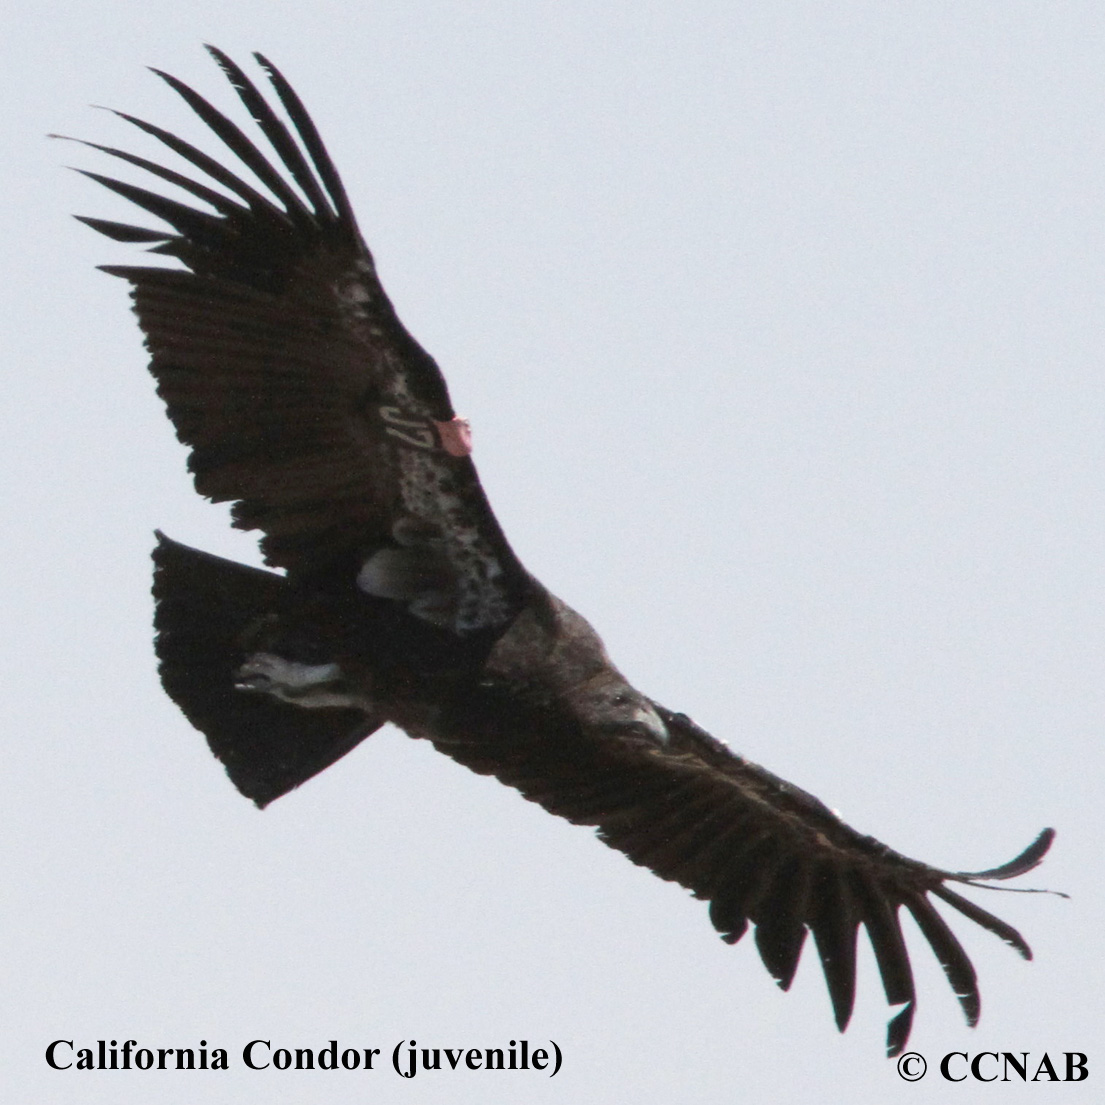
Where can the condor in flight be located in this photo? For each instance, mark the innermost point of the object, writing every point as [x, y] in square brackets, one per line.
[307, 405]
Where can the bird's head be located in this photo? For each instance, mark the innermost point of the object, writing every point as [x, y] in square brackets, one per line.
[611, 705]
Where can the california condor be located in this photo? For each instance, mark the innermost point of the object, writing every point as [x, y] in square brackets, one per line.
[305, 403]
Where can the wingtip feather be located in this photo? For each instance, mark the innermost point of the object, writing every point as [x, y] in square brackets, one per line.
[1020, 864]
[899, 1029]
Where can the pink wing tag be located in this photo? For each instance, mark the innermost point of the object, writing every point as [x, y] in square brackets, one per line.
[456, 436]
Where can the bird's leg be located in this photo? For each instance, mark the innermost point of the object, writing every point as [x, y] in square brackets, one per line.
[300, 684]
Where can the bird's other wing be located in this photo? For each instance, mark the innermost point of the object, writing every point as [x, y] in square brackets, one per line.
[286, 371]
[758, 849]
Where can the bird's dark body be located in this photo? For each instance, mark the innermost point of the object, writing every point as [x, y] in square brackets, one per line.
[305, 402]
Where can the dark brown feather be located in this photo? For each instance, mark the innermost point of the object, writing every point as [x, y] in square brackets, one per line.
[205, 606]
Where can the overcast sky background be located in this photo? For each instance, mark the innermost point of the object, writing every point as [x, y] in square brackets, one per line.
[780, 328]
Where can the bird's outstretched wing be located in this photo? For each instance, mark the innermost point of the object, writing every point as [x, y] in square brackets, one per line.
[757, 848]
[284, 368]
[306, 403]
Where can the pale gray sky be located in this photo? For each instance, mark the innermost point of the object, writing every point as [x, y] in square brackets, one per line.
[779, 325]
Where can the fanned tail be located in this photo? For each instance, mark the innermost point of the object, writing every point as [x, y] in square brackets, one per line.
[205, 606]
